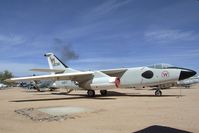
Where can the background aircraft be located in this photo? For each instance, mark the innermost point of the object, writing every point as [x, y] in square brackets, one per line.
[3, 85]
[188, 82]
[109, 79]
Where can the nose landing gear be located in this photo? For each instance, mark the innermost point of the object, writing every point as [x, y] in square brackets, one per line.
[158, 92]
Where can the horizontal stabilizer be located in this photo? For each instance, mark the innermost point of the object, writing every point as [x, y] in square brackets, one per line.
[48, 70]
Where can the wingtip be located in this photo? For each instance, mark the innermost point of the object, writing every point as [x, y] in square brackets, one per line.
[8, 80]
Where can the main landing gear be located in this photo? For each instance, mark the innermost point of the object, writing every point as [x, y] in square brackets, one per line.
[91, 93]
[103, 92]
[158, 92]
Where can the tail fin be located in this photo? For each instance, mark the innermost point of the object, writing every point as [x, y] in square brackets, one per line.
[56, 63]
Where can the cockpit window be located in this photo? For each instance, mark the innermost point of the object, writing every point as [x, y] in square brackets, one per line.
[160, 66]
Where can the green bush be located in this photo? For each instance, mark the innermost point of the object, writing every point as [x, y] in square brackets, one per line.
[5, 75]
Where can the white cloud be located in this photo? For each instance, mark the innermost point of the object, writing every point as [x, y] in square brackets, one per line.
[117, 60]
[109, 6]
[105, 8]
[187, 54]
[19, 69]
[132, 61]
[11, 39]
[170, 35]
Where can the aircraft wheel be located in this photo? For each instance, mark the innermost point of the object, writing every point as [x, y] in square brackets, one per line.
[91, 93]
[158, 92]
[51, 89]
[103, 92]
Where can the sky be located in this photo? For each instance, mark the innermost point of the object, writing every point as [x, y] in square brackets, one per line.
[98, 34]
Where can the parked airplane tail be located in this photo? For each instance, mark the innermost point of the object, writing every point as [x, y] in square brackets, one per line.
[56, 64]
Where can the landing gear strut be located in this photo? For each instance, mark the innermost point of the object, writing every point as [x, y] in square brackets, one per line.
[37, 88]
[91, 93]
[52, 88]
[158, 92]
[103, 92]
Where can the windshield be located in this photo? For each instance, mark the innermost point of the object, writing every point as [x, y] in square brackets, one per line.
[160, 66]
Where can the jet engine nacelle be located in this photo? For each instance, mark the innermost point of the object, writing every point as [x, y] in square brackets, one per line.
[102, 83]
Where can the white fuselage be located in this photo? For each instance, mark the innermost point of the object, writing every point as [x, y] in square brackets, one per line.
[133, 77]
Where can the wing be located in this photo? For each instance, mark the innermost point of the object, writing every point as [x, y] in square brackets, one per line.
[77, 76]
[47, 70]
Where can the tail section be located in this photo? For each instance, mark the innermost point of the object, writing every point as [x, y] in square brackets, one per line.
[56, 63]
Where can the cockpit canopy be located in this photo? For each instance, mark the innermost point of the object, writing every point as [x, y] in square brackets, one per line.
[161, 66]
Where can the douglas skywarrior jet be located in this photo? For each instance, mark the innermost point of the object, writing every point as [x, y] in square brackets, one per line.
[137, 77]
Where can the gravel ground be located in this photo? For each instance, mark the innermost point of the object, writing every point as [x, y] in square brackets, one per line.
[122, 111]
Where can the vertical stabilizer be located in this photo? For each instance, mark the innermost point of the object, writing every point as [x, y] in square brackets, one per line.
[56, 63]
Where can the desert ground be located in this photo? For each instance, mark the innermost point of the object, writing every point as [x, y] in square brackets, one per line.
[122, 111]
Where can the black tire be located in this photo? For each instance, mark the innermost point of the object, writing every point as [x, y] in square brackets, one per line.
[52, 89]
[91, 93]
[158, 93]
[103, 92]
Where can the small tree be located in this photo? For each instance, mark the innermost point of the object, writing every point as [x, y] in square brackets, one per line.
[5, 75]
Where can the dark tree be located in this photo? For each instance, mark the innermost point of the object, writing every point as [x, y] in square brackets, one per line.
[5, 75]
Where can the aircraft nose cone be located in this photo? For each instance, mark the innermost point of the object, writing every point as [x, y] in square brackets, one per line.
[184, 74]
